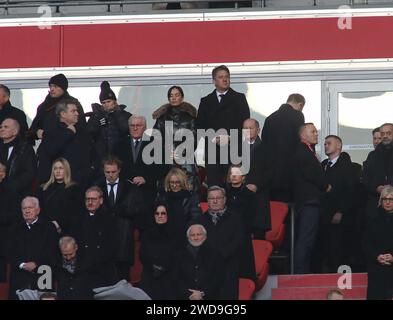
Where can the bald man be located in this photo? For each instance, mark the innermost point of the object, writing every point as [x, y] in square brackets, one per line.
[20, 160]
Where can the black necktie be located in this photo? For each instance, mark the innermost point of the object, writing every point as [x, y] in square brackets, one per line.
[221, 97]
[111, 198]
[136, 144]
[328, 165]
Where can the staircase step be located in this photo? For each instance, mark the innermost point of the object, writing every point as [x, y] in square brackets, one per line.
[308, 293]
[319, 280]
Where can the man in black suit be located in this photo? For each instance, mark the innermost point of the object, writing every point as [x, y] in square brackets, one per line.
[198, 268]
[124, 201]
[96, 235]
[280, 135]
[378, 169]
[32, 243]
[223, 109]
[258, 178]
[337, 218]
[309, 184]
[66, 140]
[135, 169]
[8, 111]
[226, 236]
[21, 162]
[72, 273]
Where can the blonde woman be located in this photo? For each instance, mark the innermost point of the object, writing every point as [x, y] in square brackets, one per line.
[182, 203]
[60, 197]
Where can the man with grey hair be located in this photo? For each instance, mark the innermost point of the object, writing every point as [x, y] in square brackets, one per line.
[378, 171]
[32, 243]
[198, 268]
[66, 140]
[135, 169]
[72, 272]
[226, 235]
[8, 111]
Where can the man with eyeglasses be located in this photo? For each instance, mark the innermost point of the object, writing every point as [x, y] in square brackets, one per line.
[96, 236]
[225, 230]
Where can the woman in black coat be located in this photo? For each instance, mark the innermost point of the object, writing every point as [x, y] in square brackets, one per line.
[159, 247]
[183, 116]
[60, 198]
[183, 205]
[243, 201]
[379, 249]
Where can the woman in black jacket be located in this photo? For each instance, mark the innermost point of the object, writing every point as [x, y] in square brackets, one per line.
[379, 248]
[60, 197]
[183, 115]
[243, 201]
[183, 205]
[159, 247]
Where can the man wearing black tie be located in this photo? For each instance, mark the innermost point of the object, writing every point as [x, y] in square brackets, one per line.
[124, 201]
[336, 207]
[226, 109]
[309, 184]
[135, 169]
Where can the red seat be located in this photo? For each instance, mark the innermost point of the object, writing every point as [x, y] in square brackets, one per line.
[246, 289]
[278, 212]
[203, 206]
[262, 251]
[136, 270]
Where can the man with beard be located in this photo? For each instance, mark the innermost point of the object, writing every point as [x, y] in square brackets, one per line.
[198, 268]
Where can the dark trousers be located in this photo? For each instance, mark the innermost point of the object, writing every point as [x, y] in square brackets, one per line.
[307, 229]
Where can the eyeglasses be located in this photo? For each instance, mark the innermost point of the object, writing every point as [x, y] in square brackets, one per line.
[160, 213]
[216, 198]
[387, 199]
[136, 125]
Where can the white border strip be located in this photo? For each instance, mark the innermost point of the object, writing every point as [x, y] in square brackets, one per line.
[343, 11]
[184, 70]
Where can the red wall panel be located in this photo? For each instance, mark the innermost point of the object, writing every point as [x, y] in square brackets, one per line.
[196, 42]
[28, 47]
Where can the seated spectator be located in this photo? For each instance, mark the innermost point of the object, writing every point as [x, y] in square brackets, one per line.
[73, 272]
[183, 206]
[32, 243]
[158, 251]
[199, 268]
[379, 248]
[96, 235]
[226, 236]
[60, 197]
[21, 162]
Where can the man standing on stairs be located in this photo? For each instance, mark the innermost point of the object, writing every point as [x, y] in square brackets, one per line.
[309, 184]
